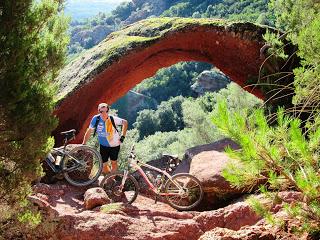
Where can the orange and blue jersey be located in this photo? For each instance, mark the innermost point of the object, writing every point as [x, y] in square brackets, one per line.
[108, 136]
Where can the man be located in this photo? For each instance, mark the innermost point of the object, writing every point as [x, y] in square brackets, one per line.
[108, 136]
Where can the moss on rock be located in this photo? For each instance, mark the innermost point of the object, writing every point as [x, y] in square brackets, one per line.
[135, 37]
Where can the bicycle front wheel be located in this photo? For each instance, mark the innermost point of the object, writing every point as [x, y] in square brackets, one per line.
[119, 191]
[82, 166]
[183, 191]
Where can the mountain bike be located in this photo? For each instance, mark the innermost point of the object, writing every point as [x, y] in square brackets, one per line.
[182, 191]
[80, 166]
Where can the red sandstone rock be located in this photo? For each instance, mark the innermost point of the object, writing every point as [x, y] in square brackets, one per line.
[232, 217]
[101, 76]
[207, 162]
[146, 220]
[49, 190]
[251, 233]
[94, 197]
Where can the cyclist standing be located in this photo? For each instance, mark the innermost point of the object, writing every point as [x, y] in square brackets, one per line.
[109, 138]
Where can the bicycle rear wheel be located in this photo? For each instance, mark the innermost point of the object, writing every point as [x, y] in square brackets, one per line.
[126, 193]
[188, 196]
[86, 170]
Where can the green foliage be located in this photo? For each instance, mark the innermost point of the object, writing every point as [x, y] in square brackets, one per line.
[173, 81]
[198, 130]
[33, 43]
[182, 9]
[195, 124]
[234, 95]
[167, 117]
[301, 21]
[124, 10]
[276, 45]
[30, 217]
[281, 155]
[245, 10]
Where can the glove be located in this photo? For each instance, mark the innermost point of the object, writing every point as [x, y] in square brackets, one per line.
[122, 138]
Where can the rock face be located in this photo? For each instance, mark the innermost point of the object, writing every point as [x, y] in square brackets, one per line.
[96, 35]
[206, 162]
[129, 105]
[210, 81]
[146, 220]
[146, 8]
[125, 58]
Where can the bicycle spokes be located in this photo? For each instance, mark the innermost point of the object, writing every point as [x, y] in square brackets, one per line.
[82, 165]
[120, 188]
[183, 191]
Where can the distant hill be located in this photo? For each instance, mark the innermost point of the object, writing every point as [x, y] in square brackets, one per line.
[82, 9]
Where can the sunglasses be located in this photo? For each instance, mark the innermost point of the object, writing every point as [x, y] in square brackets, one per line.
[106, 111]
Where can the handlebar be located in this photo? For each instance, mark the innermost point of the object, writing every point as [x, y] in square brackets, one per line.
[131, 154]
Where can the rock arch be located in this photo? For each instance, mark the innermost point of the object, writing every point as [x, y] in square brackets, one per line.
[125, 58]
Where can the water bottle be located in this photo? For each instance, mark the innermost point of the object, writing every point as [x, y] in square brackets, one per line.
[58, 160]
[150, 176]
[51, 158]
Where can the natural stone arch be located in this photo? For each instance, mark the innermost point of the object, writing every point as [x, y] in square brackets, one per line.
[125, 58]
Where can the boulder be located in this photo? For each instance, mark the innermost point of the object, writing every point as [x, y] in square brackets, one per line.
[130, 104]
[94, 197]
[210, 81]
[207, 162]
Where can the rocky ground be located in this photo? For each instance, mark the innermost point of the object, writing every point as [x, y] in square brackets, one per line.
[144, 219]
[87, 213]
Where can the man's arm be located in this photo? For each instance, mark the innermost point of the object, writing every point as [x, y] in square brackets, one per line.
[124, 127]
[87, 135]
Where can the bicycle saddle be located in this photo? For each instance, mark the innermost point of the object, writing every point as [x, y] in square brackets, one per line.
[169, 155]
[69, 134]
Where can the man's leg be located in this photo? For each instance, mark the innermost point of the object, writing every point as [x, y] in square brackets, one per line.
[106, 169]
[105, 158]
[114, 157]
[114, 165]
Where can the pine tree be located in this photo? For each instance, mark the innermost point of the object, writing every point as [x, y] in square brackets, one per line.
[33, 44]
[281, 156]
[284, 155]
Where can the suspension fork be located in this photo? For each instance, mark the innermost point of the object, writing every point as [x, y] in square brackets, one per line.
[123, 181]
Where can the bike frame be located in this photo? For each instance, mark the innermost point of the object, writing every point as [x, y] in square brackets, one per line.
[63, 153]
[134, 164]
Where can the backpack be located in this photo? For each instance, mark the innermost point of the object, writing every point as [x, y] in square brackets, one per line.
[97, 122]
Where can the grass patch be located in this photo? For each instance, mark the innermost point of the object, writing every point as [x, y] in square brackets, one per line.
[112, 207]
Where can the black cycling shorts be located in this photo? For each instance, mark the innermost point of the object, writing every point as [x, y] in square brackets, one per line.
[109, 152]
